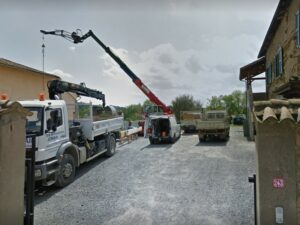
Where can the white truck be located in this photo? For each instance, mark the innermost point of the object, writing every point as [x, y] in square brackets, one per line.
[214, 124]
[63, 144]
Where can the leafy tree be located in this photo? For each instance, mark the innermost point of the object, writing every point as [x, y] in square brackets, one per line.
[133, 112]
[234, 103]
[216, 103]
[147, 103]
[185, 103]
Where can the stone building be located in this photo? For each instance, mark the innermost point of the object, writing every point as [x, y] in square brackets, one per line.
[278, 58]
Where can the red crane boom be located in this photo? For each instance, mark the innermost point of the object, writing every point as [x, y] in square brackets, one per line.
[76, 38]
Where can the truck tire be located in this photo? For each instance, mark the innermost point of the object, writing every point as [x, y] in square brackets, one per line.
[226, 138]
[152, 142]
[202, 139]
[66, 173]
[179, 136]
[111, 146]
[173, 139]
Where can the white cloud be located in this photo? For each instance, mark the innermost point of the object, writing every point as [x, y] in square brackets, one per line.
[72, 48]
[169, 72]
[61, 74]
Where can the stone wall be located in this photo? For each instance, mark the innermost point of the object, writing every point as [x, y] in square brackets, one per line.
[285, 38]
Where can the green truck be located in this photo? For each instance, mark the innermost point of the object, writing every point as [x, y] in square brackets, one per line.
[214, 124]
[188, 120]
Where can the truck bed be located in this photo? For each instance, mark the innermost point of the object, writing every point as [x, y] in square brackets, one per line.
[92, 129]
[211, 125]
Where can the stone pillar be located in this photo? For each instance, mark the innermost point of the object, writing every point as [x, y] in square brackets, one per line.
[278, 161]
[12, 163]
[249, 107]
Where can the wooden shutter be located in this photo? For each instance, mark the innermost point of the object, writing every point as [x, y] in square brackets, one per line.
[298, 29]
[280, 61]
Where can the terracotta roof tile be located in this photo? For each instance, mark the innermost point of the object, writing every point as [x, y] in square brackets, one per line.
[277, 110]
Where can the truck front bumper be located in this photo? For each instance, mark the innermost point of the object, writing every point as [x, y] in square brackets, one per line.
[45, 169]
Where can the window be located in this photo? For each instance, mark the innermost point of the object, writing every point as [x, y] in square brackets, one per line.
[220, 115]
[210, 115]
[269, 74]
[53, 118]
[298, 29]
[34, 123]
[278, 63]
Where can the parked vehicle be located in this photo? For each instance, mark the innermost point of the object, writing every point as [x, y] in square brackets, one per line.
[214, 124]
[64, 144]
[162, 128]
[188, 120]
[239, 119]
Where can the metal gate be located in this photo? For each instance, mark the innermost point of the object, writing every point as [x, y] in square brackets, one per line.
[29, 180]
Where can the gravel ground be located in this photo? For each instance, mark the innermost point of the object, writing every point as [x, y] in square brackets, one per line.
[184, 183]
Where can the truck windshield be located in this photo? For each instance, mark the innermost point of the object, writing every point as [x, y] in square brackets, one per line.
[34, 123]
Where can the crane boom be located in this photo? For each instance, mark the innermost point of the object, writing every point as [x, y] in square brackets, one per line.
[59, 87]
[76, 38]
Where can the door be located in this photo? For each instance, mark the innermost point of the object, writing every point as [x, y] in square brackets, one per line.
[55, 130]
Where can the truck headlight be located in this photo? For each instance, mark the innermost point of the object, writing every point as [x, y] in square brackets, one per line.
[37, 173]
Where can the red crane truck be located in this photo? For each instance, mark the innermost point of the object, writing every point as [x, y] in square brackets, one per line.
[158, 128]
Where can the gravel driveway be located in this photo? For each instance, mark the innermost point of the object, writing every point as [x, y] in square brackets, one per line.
[184, 183]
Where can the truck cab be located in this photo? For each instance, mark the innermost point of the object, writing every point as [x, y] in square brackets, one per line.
[49, 122]
[62, 145]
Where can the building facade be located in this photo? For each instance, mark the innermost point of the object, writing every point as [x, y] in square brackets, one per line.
[278, 60]
[19, 82]
[281, 48]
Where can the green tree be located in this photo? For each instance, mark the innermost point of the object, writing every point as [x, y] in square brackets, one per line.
[185, 103]
[234, 103]
[133, 112]
[216, 103]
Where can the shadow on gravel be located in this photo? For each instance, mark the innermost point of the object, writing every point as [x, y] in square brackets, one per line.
[212, 143]
[155, 146]
[189, 134]
[44, 193]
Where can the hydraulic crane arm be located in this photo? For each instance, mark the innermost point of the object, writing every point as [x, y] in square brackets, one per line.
[76, 38]
[56, 87]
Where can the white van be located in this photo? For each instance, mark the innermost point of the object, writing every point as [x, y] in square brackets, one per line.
[162, 128]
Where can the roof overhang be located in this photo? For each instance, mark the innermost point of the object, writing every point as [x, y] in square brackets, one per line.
[277, 18]
[253, 69]
[11, 64]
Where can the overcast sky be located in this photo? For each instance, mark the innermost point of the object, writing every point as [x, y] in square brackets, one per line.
[176, 47]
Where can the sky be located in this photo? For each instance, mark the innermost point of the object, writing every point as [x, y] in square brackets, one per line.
[175, 47]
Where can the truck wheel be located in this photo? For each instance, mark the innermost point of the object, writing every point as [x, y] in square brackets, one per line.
[226, 138]
[202, 139]
[66, 171]
[111, 146]
[152, 142]
[173, 139]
